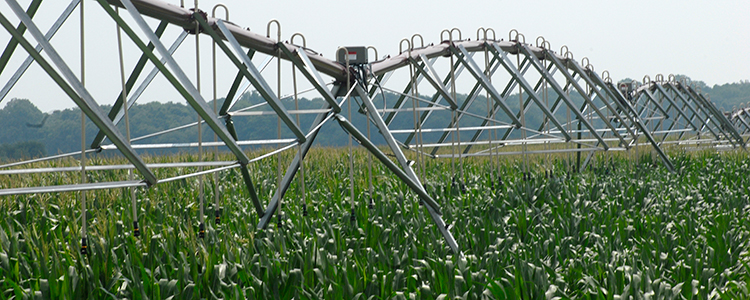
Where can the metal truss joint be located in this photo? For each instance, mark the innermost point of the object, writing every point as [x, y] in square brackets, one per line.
[195, 25]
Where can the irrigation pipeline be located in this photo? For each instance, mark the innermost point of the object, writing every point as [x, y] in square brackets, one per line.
[653, 113]
[84, 242]
[217, 208]
[201, 178]
[136, 229]
[299, 147]
[278, 119]
[352, 217]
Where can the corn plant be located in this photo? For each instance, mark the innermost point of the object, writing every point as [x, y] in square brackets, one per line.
[625, 228]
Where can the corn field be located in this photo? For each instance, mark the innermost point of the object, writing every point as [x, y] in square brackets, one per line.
[623, 229]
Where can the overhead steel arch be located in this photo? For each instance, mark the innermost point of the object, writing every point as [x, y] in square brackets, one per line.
[464, 98]
[739, 118]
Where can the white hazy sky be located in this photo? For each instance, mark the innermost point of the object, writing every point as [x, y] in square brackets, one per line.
[706, 40]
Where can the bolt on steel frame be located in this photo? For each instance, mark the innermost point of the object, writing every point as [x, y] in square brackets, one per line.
[562, 104]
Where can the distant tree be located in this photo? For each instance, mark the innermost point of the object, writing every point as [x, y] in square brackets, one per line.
[59, 131]
[22, 150]
[696, 83]
[729, 95]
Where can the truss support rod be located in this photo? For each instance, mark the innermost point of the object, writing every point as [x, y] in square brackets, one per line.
[115, 113]
[701, 105]
[659, 106]
[300, 59]
[228, 103]
[179, 80]
[430, 204]
[679, 110]
[709, 110]
[706, 119]
[376, 79]
[182, 17]
[291, 171]
[556, 104]
[475, 70]
[690, 107]
[510, 86]
[12, 44]
[676, 120]
[229, 99]
[505, 61]
[230, 128]
[436, 97]
[615, 94]
[251, 190]
[652, 115]
[383, 128]
[150, 77]
[558, 89]
[719, 116]
[589, 78]
[710, 118]
[742, 121]
[560, 92]
[251, 73]
[73, 187]
[418, 78]
[478, 89]
[434, 79]
[189, 92]
[26, 63]
[76, 91]
[467, 102]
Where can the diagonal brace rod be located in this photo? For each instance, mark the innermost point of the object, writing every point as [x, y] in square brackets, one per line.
[415, 186]
[251, 73]
[75, 90]
[115, 112]
[179, 80]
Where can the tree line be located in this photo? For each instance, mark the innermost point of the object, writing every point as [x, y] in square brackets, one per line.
[26, 131]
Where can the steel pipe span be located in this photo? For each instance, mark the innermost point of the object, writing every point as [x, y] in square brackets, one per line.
[577, 111]
[183, 17]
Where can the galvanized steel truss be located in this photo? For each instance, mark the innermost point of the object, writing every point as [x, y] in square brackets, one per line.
[562, 107]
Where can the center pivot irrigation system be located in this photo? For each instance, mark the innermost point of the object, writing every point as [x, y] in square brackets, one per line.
[516, 98]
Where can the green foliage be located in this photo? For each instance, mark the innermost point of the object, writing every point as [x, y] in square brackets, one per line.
[730, 95]
[22, 150]
[727, 96]
[624, 229]
[60, 130]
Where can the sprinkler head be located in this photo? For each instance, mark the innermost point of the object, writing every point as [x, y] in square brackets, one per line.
[352, 217]
[218, 218]
[202, 230]
[136, 231]
[372, 204]
[304, 210]
[84, 246]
